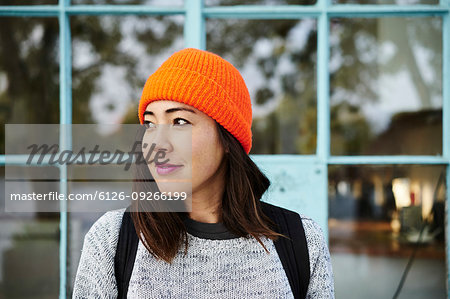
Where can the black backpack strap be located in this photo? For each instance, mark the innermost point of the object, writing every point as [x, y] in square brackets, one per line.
[125, 254]
[293, 253]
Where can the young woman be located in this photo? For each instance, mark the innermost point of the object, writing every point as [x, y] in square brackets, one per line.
[224, 247]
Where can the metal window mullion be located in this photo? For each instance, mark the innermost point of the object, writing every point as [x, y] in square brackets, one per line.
[323, 104]
[30, 10]
[323, 82]
[194, 25]
[446, 126]
[123, 10]
[308, 11]
[54, 10]
[65, 112]
[383, 160]
[262, 12]
[355, 10]
[239, 11]
[446, 83]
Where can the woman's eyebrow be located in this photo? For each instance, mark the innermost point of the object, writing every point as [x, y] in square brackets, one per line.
[171, 110]
[179, 109]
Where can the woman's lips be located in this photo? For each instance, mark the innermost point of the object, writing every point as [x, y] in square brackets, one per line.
[164, 169]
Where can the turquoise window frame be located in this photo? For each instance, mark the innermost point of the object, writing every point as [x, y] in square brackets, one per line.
[195, 14]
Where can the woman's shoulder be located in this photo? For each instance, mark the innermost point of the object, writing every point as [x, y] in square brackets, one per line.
[110, 219]
[106, 228]
[311, 227]
[315, 238]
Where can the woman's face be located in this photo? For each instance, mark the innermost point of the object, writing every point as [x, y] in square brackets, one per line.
[191, 142]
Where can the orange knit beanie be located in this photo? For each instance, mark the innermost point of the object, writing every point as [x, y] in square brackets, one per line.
[207, 82]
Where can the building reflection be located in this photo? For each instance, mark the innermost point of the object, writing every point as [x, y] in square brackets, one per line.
[378, 211]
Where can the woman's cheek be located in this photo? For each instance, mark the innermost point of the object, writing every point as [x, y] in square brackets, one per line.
[195, 163]
[206, 153]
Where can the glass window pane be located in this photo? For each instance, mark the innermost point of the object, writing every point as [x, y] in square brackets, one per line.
[124, 2]
[112, 59]
[258, 2]
[29, 249]
[399, 2]
[376, 214]
[386, 86]
[277, 59]
[29, 72]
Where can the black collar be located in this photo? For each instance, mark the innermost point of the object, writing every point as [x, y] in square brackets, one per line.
[213, 231]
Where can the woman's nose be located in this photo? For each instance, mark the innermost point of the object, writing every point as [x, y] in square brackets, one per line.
[160, 136]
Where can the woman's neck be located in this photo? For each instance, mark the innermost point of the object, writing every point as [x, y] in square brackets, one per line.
[206, 211]
[207, 204]
[207, 201]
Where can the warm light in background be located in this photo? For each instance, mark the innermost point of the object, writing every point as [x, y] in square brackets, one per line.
[401, 189]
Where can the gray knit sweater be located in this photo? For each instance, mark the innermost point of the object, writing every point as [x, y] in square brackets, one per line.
[218, 265]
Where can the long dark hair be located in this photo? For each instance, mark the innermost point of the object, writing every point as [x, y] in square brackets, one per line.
[163, 233]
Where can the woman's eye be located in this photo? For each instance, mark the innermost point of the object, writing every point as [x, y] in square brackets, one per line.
[148, 124]
[180, 121]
